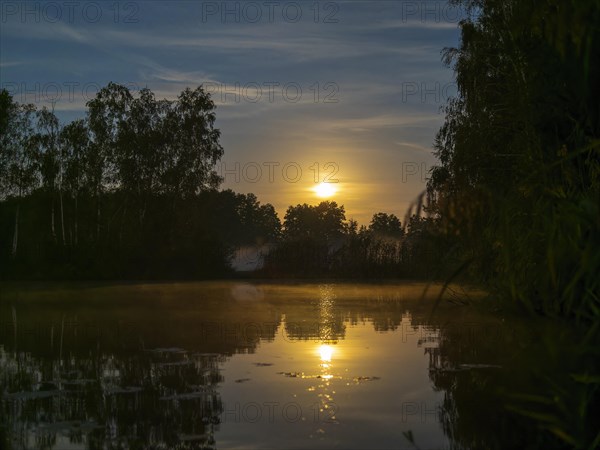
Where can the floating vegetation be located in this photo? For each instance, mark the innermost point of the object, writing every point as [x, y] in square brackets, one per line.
[463, 367]
[116, 390]
[187, 395]
[168, 350]
[362, 379]
[292, 374]
[32, 395]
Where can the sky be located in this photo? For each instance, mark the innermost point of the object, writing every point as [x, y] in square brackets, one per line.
[347, 93]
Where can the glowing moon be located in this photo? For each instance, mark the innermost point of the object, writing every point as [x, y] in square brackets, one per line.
[325, 189]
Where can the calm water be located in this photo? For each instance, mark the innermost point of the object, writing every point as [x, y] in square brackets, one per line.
[238, 365]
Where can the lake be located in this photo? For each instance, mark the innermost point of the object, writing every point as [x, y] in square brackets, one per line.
[251, 365]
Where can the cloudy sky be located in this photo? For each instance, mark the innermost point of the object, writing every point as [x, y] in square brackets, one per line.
[348, 90]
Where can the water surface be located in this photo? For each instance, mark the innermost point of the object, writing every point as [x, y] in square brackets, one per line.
[241, 365]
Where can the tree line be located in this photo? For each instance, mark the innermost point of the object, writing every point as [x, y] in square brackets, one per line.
[517, 190]
[131, 191]
[128, 191]
[318, 241]
[518, 185]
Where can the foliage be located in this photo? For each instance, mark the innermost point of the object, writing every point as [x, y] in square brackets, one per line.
[129, 192]
[318, 241]
[517, 187]
[517, 190]
[323, 222]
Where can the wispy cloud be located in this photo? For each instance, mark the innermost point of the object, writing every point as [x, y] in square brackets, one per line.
[11, 63]
[368, 54]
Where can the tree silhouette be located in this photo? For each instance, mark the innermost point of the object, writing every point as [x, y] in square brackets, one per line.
[519, 152]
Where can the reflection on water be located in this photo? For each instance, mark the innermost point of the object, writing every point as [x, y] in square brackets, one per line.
[202, 365]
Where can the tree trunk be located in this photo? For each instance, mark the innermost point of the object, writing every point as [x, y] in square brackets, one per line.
[16, 233]
[98, 219]
[123, 218]
[62, 217]
[76, 219]
[52, 221]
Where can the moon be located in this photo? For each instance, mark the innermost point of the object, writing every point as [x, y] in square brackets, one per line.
[325, 190]
[326, 352]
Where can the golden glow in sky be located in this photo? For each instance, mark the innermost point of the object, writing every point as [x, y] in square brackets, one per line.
[325, 190]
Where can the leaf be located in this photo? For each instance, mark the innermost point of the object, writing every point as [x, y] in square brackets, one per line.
[409, 436]
[586, 378]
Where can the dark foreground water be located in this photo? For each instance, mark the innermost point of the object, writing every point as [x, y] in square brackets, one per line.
[237, 365]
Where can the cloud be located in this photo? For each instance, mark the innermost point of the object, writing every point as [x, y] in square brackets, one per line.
[429, 25]
[11, 63]
[369, 53]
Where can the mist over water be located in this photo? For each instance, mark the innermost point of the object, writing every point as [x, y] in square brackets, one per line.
[240, 365]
